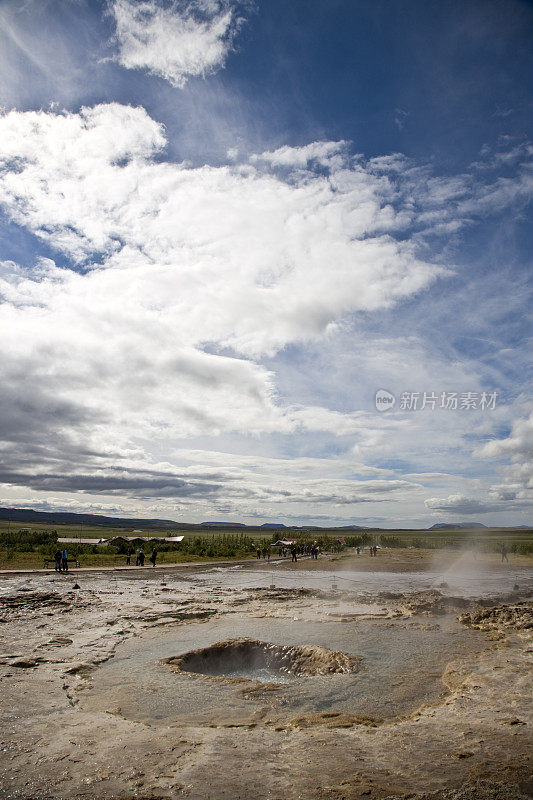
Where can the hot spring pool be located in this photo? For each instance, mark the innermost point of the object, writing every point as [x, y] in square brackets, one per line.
[402, 662]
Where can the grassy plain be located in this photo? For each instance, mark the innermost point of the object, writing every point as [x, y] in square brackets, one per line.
[212, 543]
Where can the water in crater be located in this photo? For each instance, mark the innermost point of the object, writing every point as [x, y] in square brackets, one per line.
[402, 663]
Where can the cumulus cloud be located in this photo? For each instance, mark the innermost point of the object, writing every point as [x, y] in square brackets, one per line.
[176, 41]
[278, 259]
[517, 448]
[518, 445]
[459, 504]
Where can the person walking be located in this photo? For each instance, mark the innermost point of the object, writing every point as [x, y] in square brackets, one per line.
[504, 554]
[140, 557]
[153, 557]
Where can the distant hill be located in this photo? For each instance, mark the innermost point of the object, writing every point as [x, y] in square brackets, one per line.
[350, 528]
[442, 526]
[222, 525]
[51, 518]
[70, 518]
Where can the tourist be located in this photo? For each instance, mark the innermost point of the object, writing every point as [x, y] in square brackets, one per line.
[57, 559]
[153, 557]
[293, 554]
[140, 557]
[504, 554]
[128, 556]
[258, 552]
[64, 560]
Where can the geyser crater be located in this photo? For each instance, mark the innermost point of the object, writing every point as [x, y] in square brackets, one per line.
[247, 659]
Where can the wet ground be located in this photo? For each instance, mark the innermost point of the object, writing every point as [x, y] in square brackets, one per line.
[438, 706]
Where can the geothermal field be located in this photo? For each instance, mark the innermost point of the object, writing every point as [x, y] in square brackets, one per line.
[391, 677]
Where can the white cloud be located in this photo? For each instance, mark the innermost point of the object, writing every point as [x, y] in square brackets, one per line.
[518, 445]
[176, 41]
[518, 448]
[277, 260]
[459, 504]
[327, 154]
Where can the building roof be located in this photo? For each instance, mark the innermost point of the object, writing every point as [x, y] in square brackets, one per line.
[284, 542]
[144, 539]
[77, 540]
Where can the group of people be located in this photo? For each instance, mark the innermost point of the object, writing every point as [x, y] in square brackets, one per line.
[61, 560]
[294, 550]
[139, 561]
[372, 549]
[299, 550]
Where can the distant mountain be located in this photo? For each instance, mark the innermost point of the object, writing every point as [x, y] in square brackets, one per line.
[70, 518]
[349, 527]
[222, 525]
[442, 526]
[28, 515]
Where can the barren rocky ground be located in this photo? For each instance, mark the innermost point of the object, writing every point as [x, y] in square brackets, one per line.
[475, 742]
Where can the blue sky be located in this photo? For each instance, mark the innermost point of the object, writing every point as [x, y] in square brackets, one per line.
[225, 225]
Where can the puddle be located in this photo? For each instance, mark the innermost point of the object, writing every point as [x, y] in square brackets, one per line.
[401, 668]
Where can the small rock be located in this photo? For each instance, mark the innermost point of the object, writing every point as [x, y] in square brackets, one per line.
[76, 586]
[24, 663]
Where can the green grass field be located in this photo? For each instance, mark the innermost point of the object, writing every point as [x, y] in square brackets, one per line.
[208, 544]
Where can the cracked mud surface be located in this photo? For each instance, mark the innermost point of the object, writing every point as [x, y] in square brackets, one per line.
[471, 741]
